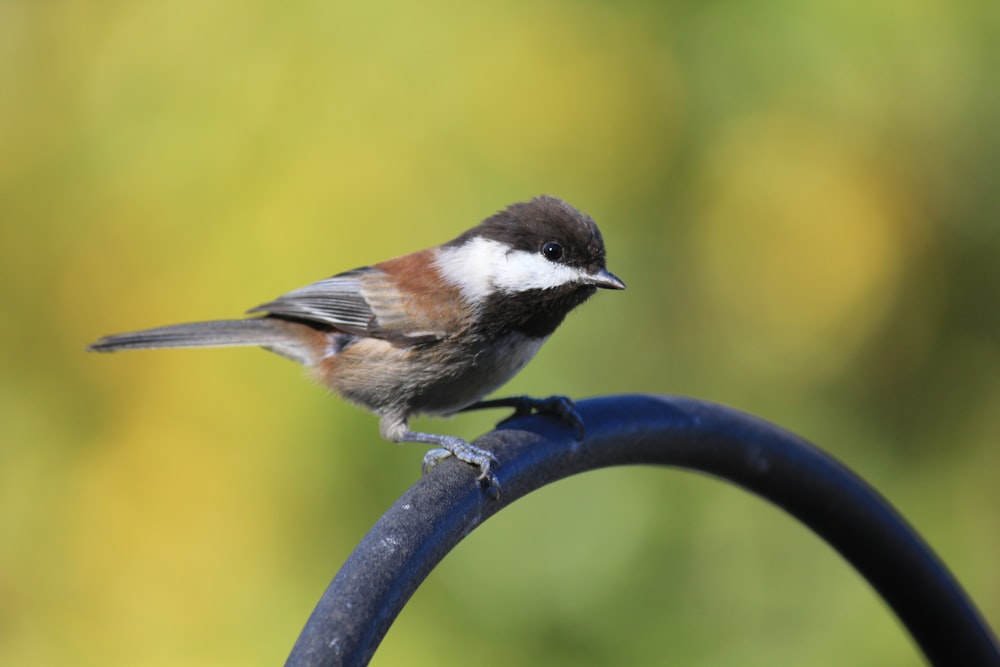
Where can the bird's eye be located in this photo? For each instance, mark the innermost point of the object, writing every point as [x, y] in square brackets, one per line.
[552, 251]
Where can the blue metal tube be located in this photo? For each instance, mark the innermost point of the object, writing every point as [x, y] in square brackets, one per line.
[444, 506]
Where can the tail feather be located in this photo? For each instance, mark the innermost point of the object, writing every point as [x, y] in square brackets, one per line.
[262, 331]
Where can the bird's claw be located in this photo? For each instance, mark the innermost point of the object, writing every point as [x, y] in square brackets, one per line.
[560, 407]
[468, 453]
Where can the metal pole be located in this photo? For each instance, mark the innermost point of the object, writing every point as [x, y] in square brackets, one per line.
[444, 506]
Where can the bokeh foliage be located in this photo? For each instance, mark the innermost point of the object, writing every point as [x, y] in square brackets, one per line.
[801, 196]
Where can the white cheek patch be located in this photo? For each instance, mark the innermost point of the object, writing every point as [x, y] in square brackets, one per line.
[468, 267]
[482, 267]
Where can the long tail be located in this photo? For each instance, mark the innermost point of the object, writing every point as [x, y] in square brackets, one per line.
[289, 339]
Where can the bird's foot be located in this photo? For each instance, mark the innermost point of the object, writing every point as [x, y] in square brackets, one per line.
[448, 445]
[560, 407]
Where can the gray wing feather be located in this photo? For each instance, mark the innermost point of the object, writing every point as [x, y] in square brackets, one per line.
[337, 301]
[361, 302]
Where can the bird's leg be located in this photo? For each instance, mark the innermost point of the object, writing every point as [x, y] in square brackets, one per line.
[395, 429]
[560, 407]
[449, 445]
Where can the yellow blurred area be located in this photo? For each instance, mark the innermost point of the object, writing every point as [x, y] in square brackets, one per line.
[800, 197]
[801, 241]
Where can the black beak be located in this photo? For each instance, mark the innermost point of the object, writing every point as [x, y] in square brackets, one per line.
[606, 280]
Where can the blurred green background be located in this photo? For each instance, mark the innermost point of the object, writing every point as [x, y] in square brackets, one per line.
[801, 196]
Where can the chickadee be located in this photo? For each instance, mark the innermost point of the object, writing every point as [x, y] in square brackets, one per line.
[432, 332]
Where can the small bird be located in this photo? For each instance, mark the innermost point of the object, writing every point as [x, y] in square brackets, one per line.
[432, 332]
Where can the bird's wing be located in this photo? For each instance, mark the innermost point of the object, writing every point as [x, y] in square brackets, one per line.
[337, 301]
[362, 302]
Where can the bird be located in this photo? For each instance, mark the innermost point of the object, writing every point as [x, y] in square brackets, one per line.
[432, 332]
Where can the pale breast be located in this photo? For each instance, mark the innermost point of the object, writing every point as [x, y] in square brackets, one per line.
[385, 378]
